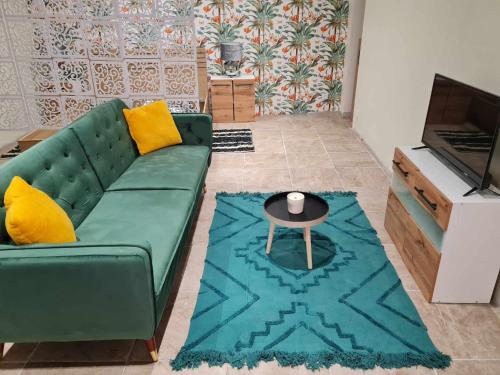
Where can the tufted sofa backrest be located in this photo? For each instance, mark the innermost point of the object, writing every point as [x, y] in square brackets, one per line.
[59, 167]
[104, 135]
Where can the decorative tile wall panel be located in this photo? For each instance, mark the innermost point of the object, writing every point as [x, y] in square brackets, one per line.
[4, 43]
[141, 38]
[175, 8]
[99, 8]
[74, 77]
[136, 7]
[178, 43]
[16, 7]
[144, 77]
[109, 78]
[40, 45]
[67, 39]
[12, 114]
[57, 8]
[46, 111]
[104, 40]
[183, 105]
[22, 37]
[60, 58]
[8, 79]
[178, 78]
[38, 77]
[75, 107]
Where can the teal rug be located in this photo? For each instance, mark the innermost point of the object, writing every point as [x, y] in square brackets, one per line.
[351, 309]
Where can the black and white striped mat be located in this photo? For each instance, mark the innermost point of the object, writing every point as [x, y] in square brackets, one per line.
[233, 140]
[10, 154]
[467, 141]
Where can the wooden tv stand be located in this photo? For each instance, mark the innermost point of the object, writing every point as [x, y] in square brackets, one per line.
[449, 243]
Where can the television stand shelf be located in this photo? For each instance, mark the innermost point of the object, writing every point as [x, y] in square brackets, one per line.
[449, 243]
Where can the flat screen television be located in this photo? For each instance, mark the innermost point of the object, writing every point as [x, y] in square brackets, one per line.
[462, 128]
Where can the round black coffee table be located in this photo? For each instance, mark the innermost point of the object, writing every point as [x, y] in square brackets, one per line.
[276, 210]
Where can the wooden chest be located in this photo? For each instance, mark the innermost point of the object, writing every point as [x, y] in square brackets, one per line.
[232, 99]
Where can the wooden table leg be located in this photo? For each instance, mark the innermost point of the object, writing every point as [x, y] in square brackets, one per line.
[152, 349]
[270, 238]
[307, 236]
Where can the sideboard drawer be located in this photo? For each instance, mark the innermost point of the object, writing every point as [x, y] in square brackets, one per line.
[431, 199]
[244, 87]
[244, 100]
[417, 251]
[223, 84]
[421, 258]
[395, 219]
[402, 166]
[222, 114]
[222, 95]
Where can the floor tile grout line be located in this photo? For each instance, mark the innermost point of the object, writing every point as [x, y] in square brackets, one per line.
[387, 172]
[478, 359]
[129, 354]
[29, 358]
[287, 162]
[331, 161]
[496, 311]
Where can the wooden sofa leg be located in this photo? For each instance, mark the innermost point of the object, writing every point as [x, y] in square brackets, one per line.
[153, 351]
[204, 189]
[1, 350]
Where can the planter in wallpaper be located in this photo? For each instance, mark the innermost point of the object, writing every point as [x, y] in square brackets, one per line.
[295, 49]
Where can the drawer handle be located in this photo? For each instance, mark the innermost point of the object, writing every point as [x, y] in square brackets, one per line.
[420, 192]
[398, 165]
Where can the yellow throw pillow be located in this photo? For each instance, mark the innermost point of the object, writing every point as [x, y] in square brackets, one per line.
[152, 127]
[34, 217]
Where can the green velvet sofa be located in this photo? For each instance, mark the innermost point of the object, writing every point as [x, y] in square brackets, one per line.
[132, 216]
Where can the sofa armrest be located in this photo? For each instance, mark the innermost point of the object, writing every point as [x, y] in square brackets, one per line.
[195, 128]
[75, 292]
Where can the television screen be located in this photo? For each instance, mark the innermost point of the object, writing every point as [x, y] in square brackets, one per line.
[461, 126]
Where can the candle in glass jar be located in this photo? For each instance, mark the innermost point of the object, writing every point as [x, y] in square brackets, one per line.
[295, 202]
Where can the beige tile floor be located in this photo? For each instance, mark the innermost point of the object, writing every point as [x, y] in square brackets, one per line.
[312, 152]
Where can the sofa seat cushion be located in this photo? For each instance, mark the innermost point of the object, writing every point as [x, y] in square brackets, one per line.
[176, 167]
[159, 217]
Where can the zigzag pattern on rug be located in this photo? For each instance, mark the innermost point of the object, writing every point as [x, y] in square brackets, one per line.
[351, 309]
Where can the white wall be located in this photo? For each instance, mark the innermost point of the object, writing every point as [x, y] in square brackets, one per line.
[354, 30]
[404, 44]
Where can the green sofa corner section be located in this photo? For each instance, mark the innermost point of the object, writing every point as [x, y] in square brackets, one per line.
[132, 216]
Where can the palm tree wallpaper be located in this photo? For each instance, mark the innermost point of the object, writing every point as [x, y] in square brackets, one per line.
[295, 49]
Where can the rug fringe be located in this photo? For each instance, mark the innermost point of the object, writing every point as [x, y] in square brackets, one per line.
[312, 361]
[328, 194]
